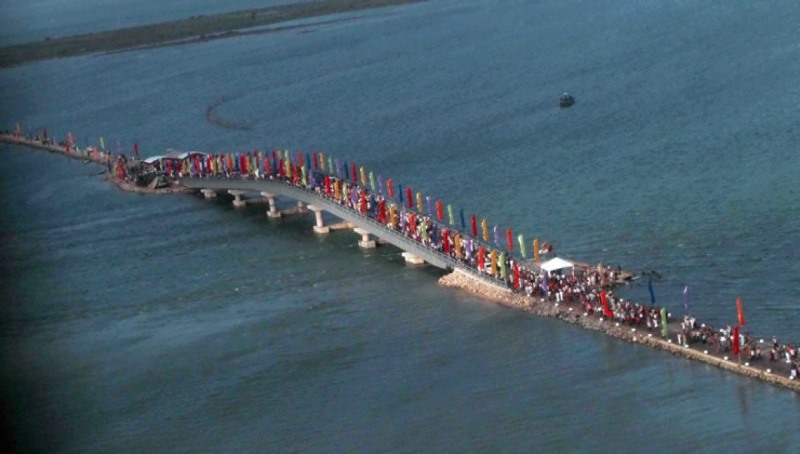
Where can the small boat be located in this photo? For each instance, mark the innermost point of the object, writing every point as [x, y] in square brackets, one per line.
[566, 100]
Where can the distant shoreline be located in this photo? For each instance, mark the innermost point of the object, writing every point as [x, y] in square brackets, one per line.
[183, 31]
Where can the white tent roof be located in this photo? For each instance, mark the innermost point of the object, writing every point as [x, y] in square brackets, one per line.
[557, 263]
[153, 159]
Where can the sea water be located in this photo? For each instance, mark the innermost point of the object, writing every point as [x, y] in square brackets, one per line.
[135, 323]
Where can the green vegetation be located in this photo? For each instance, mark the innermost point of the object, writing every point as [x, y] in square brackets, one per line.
[193, 29]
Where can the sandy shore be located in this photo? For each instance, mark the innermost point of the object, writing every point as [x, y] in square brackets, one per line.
[183, 31]
[573, 314]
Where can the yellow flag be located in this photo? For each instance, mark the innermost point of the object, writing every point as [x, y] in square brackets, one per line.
[420, 205]
[363, 176]
[322, 160]
[536, 250]
[485, 228]
[494, 263]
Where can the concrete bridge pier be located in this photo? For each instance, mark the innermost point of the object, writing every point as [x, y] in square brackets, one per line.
[273, 210]
[209, 193]
[412, 259]
[238, 202]
[300, 207]
[320, 227]
[365, 242]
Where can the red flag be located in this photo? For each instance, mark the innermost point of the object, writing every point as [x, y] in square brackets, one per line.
[355, 174]
[604, 301]
[363, 203]
[390, 187]
[382, 211]
[440, 210]
[300, 158]
[410, 199]
[739, 310]
[474, 227]
[136, 150]
[481, 257]
[516, 275]
[316, 161]
[510, 240]
[445, 242]
[327, 185]
[735, 340]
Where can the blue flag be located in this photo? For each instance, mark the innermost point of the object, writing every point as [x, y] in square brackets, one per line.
[400, 193]
[346, 172]
[650, 289]
[461, 215]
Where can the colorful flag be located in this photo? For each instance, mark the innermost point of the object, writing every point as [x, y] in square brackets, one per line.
[474, 223]
[739, 311]
[604, 302]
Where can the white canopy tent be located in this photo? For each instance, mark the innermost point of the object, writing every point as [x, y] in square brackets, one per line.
[557, 263]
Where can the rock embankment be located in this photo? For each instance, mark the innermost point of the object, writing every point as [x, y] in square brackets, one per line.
[571, 313]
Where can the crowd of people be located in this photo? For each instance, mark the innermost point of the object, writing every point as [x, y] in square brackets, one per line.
[424, 222]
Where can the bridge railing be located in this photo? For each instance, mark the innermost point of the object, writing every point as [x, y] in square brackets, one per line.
[333, 207]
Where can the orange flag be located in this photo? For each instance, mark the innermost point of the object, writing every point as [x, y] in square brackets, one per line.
[739, 310]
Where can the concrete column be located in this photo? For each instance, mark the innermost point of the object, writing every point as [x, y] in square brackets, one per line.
[273, 211]
[300, 208]
[412, 259]
[320, 227]
[238, 202]
[365, 242]
[209, 193]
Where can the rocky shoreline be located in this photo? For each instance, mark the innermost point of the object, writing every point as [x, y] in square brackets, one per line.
[571, 314]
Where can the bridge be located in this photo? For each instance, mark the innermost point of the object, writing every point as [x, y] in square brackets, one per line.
[365, 225]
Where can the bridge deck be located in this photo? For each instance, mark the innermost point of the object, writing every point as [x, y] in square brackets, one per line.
[374, 227]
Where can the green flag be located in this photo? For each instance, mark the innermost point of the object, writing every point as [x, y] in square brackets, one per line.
[450, 214]
[303, 173]
[502, 262]
[521, 245]
[664, 330]
[372, 181]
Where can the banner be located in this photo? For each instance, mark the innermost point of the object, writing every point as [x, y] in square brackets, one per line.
[510, 239]
[739, 312]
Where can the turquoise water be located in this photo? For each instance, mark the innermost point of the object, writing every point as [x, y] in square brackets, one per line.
[171, 323]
